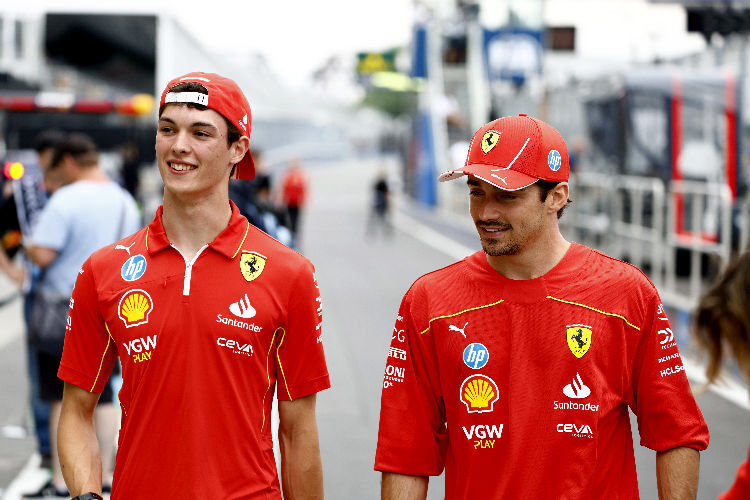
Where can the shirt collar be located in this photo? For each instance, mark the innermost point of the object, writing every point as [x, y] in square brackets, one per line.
[228, 242]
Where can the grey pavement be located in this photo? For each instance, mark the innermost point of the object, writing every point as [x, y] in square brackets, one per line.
[362, 279]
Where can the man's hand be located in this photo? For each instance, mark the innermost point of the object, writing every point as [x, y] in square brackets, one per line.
[677, 473]
[301, 468]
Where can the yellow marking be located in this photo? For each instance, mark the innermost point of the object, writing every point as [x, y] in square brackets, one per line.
[280, 366]
[429, 323]
[595, 310]
[247, 229]
[147, 239]
[268, 378]
[101, 361]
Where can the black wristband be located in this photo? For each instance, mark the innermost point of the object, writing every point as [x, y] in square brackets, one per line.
[88, 496]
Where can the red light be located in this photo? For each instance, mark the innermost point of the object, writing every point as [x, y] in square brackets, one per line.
[13, 170]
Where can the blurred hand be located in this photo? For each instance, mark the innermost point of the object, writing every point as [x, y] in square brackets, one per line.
[17, 274]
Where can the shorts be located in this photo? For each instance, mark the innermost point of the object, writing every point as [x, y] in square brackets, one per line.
[51, 387]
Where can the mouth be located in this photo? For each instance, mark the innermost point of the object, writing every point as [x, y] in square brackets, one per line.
[181, 167]
[493, 229]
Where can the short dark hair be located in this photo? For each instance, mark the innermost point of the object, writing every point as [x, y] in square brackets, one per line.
[47, 139]
[233, 133]
[547, 186]
[78, 145]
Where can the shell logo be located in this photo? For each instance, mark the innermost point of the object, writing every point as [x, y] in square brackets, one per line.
[479, 393]
[135, 307]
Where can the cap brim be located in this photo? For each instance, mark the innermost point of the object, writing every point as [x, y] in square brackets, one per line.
[508, 180]
[245, 169]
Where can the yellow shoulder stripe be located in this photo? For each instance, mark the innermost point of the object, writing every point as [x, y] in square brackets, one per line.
[429, 323]
[595, 310]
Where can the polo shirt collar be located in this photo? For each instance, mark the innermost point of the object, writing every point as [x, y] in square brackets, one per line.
[227, 243]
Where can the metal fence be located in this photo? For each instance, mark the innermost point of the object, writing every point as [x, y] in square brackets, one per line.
[681, 237]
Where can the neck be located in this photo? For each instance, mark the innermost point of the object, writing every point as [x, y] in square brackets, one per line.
[531, 262]
[93, 173]
[192, 225]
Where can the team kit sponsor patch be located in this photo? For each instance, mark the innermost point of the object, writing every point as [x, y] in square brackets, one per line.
[133, 268]
[579, 339]
[135, 307]
[479, 393]
[252, 265]
[476, 355]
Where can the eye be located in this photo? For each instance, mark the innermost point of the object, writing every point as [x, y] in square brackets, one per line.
[165, 129]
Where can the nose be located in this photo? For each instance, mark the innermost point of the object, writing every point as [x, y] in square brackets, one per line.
[181, 144]
[489, 210]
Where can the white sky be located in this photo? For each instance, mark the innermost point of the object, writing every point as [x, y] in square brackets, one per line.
[296, 36]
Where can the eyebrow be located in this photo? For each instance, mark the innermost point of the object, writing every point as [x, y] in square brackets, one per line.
[194, 124]
[472, 182]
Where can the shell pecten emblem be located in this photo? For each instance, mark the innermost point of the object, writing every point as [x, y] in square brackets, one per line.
[479, 393]
[135, 307]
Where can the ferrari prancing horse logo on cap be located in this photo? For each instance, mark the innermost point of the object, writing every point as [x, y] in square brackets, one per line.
[579, 339]
[251, 265]
[489, 140]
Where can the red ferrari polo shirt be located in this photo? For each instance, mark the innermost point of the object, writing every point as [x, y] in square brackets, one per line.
[521, 389]
[203, 344]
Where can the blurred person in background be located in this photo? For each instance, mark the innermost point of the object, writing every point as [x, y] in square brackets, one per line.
[210, 317]
[294, 194]
[722, 328]
[380, 211]
[254, 201]
[86, 211]
[22, 201]
[515, 368]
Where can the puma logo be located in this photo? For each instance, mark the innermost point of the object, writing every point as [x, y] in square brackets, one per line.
[122, 247]
[454, 328]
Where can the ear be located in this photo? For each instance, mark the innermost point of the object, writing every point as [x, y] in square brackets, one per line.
[239, 148]
[558, 197]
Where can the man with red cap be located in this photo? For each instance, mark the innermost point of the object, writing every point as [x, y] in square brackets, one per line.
[514, 368]
[208, 316]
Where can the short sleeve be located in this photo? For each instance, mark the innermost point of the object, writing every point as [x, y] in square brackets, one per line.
[89, 352]
[51, 229]
[412, 437]
[668, 416]
[300, 363]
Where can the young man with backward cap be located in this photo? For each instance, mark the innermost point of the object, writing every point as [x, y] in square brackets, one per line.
[514, 368]
[207, 315]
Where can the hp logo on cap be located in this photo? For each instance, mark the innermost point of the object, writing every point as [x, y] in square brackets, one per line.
[554, 160]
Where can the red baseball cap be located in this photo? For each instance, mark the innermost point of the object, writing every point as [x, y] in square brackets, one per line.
[223, 96]
[514, 152]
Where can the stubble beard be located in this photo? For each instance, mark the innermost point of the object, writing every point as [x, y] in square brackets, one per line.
[495, 248]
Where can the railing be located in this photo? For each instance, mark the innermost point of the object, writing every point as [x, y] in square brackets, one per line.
[636, 219]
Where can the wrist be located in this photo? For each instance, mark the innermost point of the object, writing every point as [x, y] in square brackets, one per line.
[88, 496]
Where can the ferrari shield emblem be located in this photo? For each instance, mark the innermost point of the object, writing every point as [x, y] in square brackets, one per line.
[489, 140]
[579, 339]
[251, 265]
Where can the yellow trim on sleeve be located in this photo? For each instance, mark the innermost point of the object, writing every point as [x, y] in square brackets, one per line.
[281, 367]
[147, 238]
[429, 323]
[101, 361]
[595, 310]
[268, 378]
[247, 230]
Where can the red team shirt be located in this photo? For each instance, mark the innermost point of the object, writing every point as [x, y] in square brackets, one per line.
[521, 389]
[202, 345]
